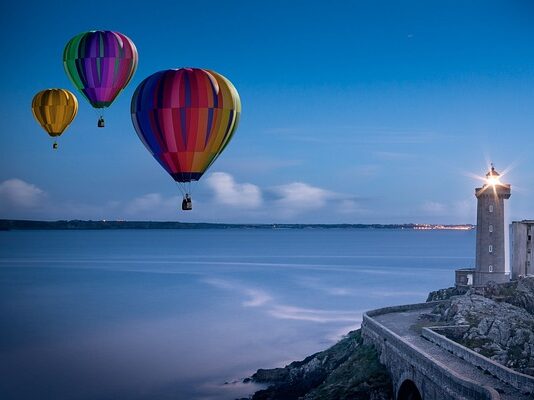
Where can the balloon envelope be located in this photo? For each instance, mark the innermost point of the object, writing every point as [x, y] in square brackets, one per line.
[54, 109]
[185, 118]
[100, 64]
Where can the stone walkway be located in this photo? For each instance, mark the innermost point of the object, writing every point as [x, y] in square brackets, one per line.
[404, 324]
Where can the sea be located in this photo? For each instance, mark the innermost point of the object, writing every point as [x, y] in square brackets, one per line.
[188, 314]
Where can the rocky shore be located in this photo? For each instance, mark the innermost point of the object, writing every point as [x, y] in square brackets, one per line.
[347, 370]
[497, 322]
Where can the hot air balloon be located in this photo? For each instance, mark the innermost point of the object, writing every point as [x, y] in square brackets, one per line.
[100, 64]
[54, 109]
[185, 117]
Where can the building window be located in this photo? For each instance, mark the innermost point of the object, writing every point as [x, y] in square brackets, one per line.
[490, 268]
[491, 228]
[491, 208]
[491, 248]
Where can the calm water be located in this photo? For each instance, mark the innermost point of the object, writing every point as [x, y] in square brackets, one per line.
[154, 314]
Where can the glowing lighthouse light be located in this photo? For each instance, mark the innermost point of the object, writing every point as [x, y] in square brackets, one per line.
[493, 177]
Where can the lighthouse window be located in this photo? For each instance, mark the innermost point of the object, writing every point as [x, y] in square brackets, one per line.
[490, 268]
[491, 208]
[491, 228]
[491, 248]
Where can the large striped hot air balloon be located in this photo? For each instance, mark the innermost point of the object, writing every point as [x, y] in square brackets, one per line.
[100, 64]
[54, 109]
[185, 117]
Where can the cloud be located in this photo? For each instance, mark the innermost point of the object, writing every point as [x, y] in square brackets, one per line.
[300, 197]
[225, 200]
[229, 192]
[20, 194]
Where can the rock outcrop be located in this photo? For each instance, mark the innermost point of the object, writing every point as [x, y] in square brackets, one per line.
[445, 294]
[347, 370]
[500, 322]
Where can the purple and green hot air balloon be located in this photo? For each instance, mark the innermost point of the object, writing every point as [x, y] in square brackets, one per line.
[100, 64]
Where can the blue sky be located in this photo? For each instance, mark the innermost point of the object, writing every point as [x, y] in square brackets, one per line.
[362, 111]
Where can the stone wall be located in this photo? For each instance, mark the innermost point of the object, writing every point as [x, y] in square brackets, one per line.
[404, 361]
[520, 381]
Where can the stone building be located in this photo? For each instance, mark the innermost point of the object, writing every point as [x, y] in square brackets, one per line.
[522, 248]
[490, 265]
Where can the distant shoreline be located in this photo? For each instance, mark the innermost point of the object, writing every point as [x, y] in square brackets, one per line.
[13, 224]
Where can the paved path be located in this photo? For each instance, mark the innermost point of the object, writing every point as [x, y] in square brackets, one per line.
[402, 323]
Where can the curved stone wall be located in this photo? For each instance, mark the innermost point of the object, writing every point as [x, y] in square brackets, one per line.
[404, 361]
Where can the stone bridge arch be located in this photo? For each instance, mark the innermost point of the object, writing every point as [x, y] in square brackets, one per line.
[408, 390]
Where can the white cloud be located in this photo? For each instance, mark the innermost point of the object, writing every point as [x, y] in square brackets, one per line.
[229, 192]
[18, 193]
[299, 197]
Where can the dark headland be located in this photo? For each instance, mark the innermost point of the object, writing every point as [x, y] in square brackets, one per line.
[17, 224]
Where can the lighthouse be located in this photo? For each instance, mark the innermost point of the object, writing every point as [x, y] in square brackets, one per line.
[490, 242]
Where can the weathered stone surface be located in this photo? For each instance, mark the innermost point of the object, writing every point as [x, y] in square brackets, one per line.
[501, 323]
[347, 370]
[445, 294]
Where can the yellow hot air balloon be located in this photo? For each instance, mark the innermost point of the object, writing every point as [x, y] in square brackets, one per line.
[54, 109]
